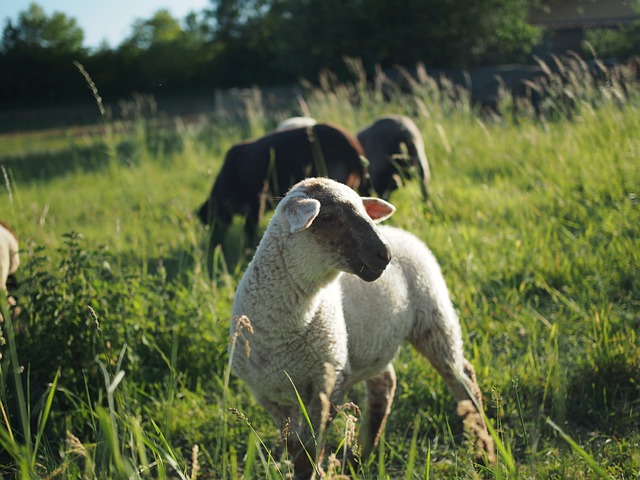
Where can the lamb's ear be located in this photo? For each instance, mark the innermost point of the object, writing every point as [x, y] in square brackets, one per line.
[377, 208]
[300, 212]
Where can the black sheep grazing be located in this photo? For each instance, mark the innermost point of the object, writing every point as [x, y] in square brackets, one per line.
[254, 172]
[394, 147]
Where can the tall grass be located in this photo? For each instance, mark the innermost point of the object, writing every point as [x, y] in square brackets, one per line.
[117, 366]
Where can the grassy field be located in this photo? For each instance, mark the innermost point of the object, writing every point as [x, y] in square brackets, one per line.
[116, 366]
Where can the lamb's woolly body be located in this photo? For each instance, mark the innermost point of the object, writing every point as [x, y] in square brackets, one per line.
[406, 302]
[297, 328]
[306, 313]
[9, 258]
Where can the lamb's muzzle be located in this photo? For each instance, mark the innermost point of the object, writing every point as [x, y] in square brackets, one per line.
[375, 263]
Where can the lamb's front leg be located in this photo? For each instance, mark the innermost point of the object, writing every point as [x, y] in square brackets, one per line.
[380, 390]
[300, 442]
[305, 443]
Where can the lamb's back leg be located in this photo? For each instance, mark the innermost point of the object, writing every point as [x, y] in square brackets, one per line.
[439, 340]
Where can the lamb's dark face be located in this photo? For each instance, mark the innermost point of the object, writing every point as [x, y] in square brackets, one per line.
[344, 229]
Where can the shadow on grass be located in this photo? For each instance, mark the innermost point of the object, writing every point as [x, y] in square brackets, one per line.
[605, 395]
[179, 264]
[38, 166]
[45, 165]
[601, 394]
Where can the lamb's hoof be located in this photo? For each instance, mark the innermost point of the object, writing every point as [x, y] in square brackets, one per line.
[475, 426]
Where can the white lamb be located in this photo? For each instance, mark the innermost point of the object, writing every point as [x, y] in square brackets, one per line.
[297, 312]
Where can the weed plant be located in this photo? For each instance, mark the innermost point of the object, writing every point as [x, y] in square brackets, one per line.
[117, 365]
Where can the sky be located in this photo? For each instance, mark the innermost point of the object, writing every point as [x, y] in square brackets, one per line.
[99, 19]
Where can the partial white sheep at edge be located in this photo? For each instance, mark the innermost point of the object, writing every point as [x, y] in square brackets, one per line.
[9, 257]
[330, 292]
[9, 263]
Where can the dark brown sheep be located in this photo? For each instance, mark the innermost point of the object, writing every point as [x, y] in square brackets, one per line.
[255, 172]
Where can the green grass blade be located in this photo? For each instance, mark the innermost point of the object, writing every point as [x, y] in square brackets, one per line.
[427, 471]
[382, 473]
[412, 451]
[110, 437]
[252, 447]
[169, 454]
[15, 368]
[8, 442]
[505, 453]
[44, 417]
[305, 414]
[303, 408]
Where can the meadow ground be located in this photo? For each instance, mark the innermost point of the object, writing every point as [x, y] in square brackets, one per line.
[117, 366]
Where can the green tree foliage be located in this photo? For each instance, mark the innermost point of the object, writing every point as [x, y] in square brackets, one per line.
[161, 28]
[36, 57]
[248, 42]
[160, 54]
[35, 29]
[621, 42]
[242, 33]
[300, 37]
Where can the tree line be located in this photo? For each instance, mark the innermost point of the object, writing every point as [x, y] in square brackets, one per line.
[237, 43]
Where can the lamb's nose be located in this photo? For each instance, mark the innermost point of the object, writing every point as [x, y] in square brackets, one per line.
[385, 253]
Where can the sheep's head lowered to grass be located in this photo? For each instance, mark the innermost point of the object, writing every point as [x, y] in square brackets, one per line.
[340, 226]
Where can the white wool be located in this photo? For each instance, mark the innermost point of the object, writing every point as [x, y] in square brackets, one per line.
[410, 296]
[9, 258]
[295, 122]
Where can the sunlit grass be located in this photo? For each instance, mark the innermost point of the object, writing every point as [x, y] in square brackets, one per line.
[534, 220]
